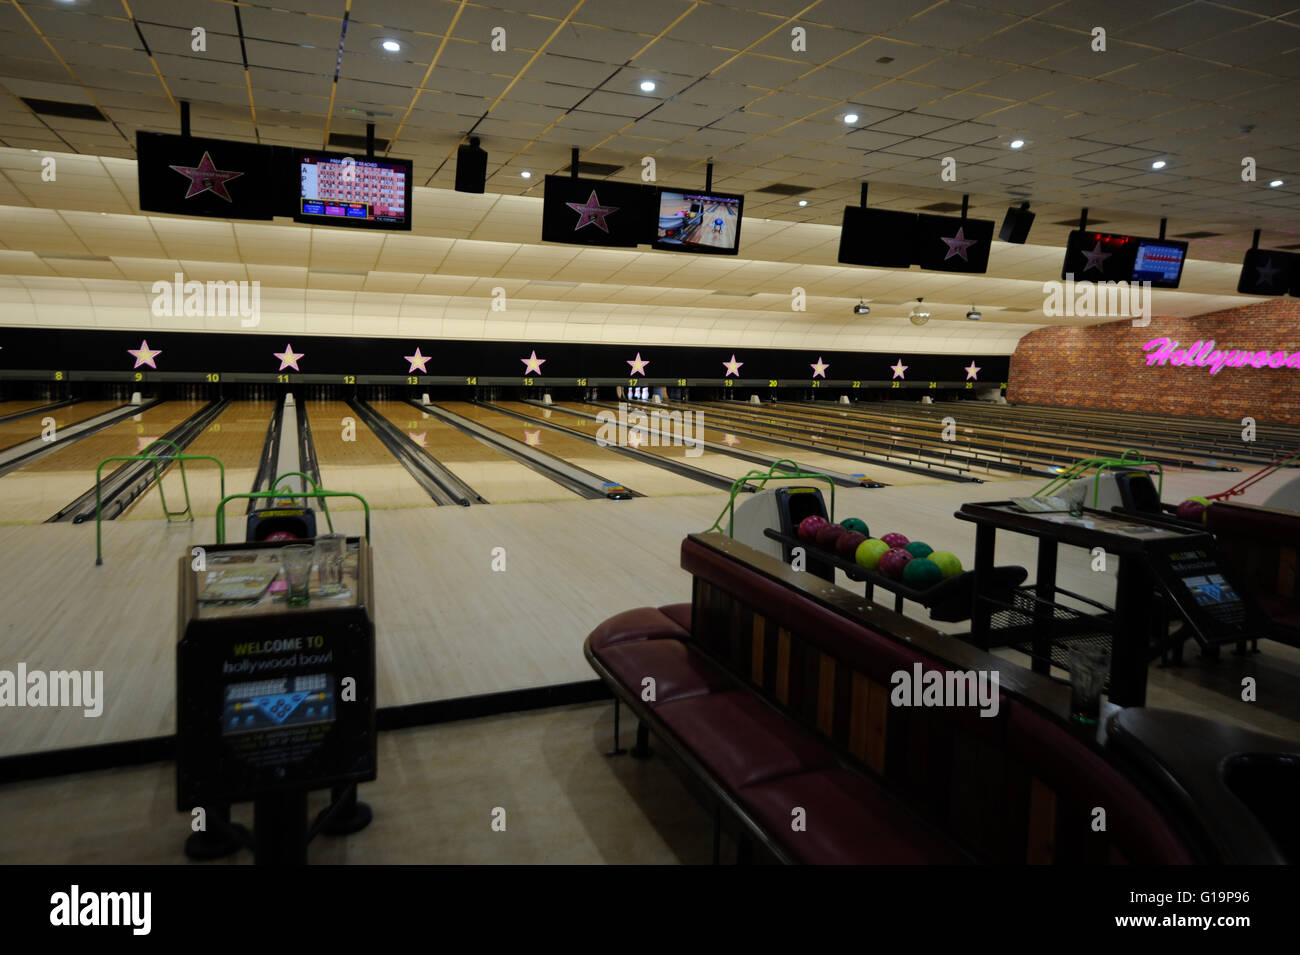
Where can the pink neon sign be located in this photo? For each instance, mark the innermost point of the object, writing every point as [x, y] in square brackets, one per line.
[1203, 354]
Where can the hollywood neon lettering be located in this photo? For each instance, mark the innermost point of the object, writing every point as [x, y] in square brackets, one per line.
[1203, 354]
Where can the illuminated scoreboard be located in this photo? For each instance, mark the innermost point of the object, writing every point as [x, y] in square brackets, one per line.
[345, 191]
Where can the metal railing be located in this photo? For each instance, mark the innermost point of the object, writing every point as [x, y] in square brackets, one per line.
[788, 470]
[280, 495]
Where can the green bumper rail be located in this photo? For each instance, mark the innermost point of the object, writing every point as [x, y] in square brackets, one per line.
[160, 463]
[1100, 466]
[289, 493]
[787, 470]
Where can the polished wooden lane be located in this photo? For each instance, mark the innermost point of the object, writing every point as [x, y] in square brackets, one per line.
[29, 426]
[351, 458]
[235, 439]
[448, 625]
[807, 458]
[34, 493]
[620, 468]
[498, 478]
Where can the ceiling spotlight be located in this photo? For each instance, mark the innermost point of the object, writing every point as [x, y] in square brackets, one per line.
[1275, 183]
[973, 314]
[861, 308]
[647, 86]
[392, 46]
[1158, 164]
[850, 118]
[804, 202]
[1017, 143]
[920, 314]
[526, 174]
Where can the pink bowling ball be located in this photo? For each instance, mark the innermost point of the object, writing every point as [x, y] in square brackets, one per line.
[828, 535]
[893, 561]
[895, 540]
[809, 526]
[846, 545]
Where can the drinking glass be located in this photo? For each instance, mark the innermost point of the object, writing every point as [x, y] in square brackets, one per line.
[296, 559]
[1088, 669]
[330, 549]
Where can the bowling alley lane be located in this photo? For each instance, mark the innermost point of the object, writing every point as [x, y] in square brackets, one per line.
[235, 439]
[498, 478]
[608, 463]
[363, 466]
[37, 491]
[29, 426]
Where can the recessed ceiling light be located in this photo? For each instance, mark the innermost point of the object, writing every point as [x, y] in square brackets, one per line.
[526, 174]
[803, 202]
[1276, 182]
[392, 46]
[1017, 143]
[850, 117]
[647, 86]
[1158, 164]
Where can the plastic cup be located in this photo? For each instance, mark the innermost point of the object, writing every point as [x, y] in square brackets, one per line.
[330, 549]
[1088, 669]
[296, 559]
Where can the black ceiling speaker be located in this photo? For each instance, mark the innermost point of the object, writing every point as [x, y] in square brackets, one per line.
[471, 167]
[1015, 227]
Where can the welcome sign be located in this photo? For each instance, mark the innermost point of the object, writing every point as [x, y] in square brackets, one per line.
[1203, 354]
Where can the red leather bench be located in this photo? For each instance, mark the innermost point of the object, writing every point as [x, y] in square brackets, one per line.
[773, 688]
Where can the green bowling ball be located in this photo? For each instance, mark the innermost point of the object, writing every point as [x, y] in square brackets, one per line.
[948, 562]
[918, 549]
[855, 524]
[922, 573]
[869, 553]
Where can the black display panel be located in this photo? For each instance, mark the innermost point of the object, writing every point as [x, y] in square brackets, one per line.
[881, 238]
[1269, 272]
[189, 176]
[953, 244]
[1099, 257]
[1159, 261]
[358, 192]
[695, 221]
[597, 212]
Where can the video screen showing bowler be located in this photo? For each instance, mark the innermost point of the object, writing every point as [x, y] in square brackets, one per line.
[694, 222]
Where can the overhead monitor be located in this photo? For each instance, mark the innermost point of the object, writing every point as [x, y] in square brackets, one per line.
[693, 221]
[882, 238]
[190, 176]
[597, 212]
[366, 193]
[1159, 261]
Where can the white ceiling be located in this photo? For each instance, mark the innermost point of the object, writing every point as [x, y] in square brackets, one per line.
[1180, 81]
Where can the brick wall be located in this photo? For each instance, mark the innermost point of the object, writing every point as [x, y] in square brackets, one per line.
[1104, 366]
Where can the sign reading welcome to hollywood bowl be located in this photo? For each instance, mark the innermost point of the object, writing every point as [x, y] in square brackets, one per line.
[1203, 354]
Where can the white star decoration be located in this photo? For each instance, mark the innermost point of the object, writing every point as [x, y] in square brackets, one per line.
[144, 355]
[898, 369]
[592, 213]
[638, 364]
[421, 439]
[533, 438]
[730, 440]
[819, 369]
[417, 361]
[533, 364]
[972, 371]
[733, 366]
[958, 245]
[1095, 258]
[288, 358]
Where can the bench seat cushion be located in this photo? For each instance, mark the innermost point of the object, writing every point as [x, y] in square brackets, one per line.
[741, 739]
[678, 670]
[679, 614]
[643, 623]
[849, 821]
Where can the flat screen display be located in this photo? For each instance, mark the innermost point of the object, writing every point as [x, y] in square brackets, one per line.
[698, 222]
[953, 244]
[276, 702]
[189, 176]
[1268, 272]
[882, 238]
[350, 191]
[1098, 257]
[1160, 262]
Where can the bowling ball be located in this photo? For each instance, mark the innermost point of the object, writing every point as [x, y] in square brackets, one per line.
[846, 545]
[281, 536]
[826, 536]
[1193, 509]
[868, 553]
[893, 562]
[948, 562]
[855, 524]
[809, 526]
[918, 548]
[894, 540]
[922, 573]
